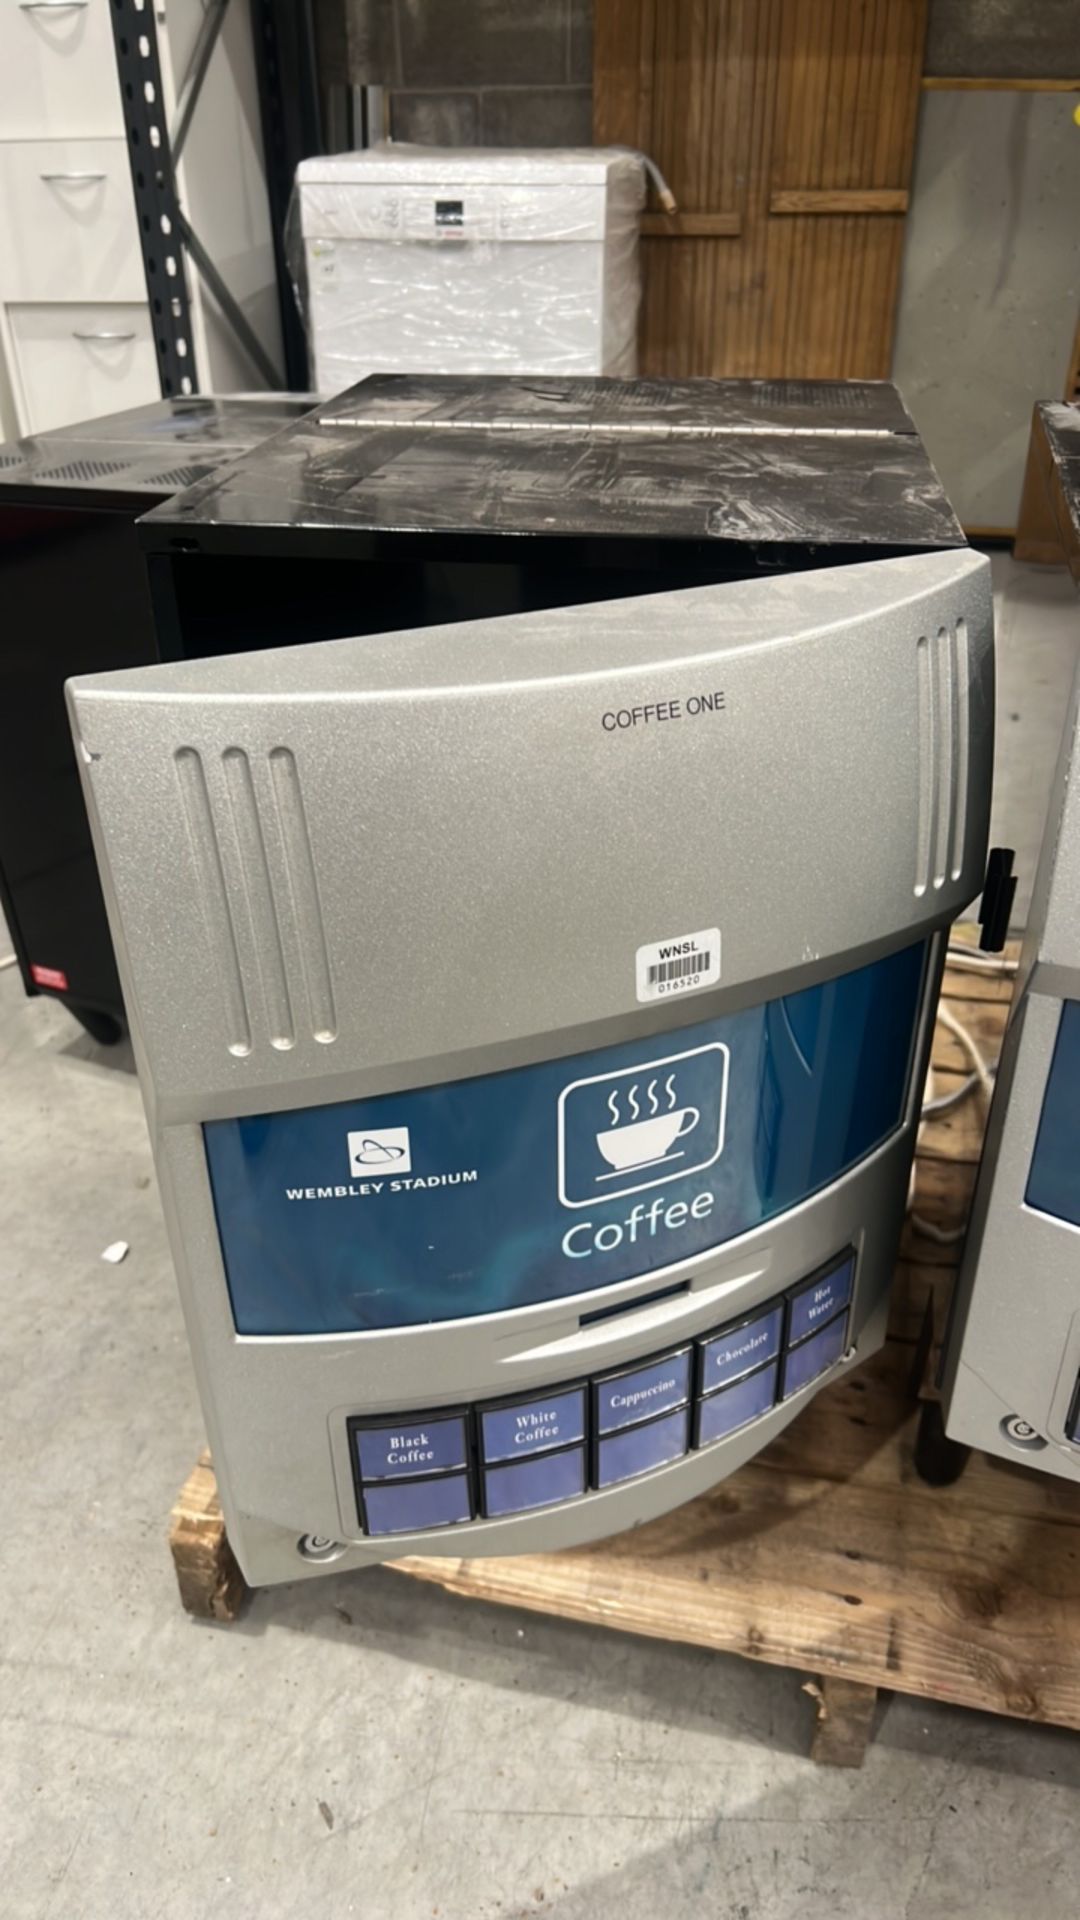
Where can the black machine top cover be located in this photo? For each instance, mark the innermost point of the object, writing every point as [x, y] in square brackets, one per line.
[760, 463]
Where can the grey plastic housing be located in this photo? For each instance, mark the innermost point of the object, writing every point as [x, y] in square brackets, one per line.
[408, 793]
[1013, 1349]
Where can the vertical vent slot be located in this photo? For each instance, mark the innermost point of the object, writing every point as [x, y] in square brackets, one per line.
[304, 893]
[946, 747]
[927, 765]
[962, 755]
[255, 878]
[214, 897]
[941, 670]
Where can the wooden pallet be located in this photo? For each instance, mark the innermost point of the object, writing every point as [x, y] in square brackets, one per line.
[827, 1553]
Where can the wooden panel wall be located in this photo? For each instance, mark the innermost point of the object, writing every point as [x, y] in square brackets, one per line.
[786, 129]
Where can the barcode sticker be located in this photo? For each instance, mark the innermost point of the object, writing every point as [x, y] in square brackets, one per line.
[682, 964]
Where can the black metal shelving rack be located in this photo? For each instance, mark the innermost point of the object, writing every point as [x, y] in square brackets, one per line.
[289, 111]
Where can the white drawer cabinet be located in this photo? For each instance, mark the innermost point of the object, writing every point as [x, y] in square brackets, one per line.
[58, 70]
[67, 221]
[73, 362]
[76, 330]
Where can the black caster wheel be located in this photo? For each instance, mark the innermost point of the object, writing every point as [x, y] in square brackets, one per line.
[102, 1027]
[938, 1460]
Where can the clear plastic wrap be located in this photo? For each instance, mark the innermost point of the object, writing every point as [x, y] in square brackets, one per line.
[455, 260]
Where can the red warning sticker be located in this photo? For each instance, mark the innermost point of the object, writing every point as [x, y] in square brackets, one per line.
[49, 977]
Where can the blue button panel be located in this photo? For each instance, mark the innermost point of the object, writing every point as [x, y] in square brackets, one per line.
[542, 1482]
[533, 1426]
[811, 1357]
[413, 1506]
[821, 1299]
[414, 1446]
[442, 1468]
[639, 1449]
[730, 1355]
[724, 1413]
[624, 1398]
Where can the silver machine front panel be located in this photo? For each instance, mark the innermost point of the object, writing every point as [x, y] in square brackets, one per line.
[1011, 1372]
[532, 1016]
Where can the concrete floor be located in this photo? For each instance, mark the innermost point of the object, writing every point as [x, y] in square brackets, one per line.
[362, 1746]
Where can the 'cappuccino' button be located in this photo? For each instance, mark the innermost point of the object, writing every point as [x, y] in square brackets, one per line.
[533, 1426]
[413, 1446]
[625, 1397]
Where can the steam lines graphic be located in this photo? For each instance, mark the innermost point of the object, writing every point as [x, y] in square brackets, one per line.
[634, 1104]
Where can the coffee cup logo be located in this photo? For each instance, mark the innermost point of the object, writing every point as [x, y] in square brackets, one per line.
[635, 1141]
[625, 1131]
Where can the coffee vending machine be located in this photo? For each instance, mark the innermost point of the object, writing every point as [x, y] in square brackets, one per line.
[532, 1007]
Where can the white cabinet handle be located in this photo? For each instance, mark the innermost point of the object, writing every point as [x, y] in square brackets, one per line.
[80, 178]
[103, 334]
[52, 6]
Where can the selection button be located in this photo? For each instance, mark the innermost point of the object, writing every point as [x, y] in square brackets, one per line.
[640, 1449]
[724, 1413]
[625, 1397]
[540, 1482]
[534, 1426]
[803, 1363]
[820, 1299]
[738, 1350]
[411, 1507]
[411, 1446]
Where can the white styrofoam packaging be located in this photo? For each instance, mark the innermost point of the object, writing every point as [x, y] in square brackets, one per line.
[458, 260]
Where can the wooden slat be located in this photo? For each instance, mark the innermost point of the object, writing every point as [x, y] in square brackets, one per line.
[680, 226]
[953, 83]
[622, 70]
[839, 200]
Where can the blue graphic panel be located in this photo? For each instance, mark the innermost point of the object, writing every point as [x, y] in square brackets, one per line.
[483, 1195]
[1054, 1180]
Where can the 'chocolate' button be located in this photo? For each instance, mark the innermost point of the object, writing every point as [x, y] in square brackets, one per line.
[803, 1363]
[416, 1505]
[640, 1449]
[728, 1356]
[726, 1412]
[625, 1397]
[415, 1445]
[534, 1483]
[534, 1426]
[820, 1299]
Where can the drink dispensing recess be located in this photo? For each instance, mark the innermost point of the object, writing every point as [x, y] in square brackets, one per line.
[532, 1011]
